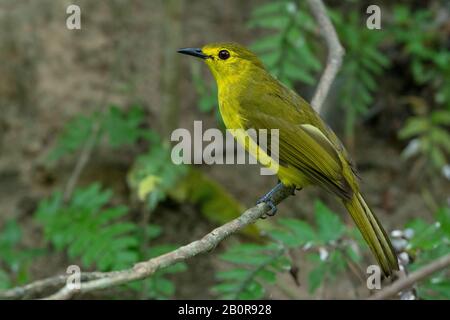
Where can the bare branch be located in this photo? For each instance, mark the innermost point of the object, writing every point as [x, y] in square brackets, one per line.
[101, 280]
[85, 155]
[415, 277]
[335, 53]
[41, 286]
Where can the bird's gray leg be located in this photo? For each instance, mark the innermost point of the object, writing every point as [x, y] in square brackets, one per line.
[268, 199]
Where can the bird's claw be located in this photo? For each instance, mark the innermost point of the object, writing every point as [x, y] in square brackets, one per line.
[273, 208]
[268, 199]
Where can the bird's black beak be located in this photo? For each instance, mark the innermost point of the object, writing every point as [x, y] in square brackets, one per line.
[196, 52]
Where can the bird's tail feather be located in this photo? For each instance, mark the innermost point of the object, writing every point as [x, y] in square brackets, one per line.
[373, 233]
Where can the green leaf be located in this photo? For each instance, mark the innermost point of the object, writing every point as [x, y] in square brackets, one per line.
[270, 59]
[437, 290]
[267, 275]
[74, 135]
[441, 117]
[85, 229]
[153, 231]
[176, 268]
[237, 259]
[413, 127]
[440, 137]
[5, 282]
[316, 277]
[294, 72]
[443, 217]
[286, 238]
[164, 286]
[267, 43]
[11, 234]
[302, 230]
[226, 287]
[425, 235]
[246, 248]
[277, 22]
[122, 127]
[157, 250]
[352, 254]
[377, 56]
[268, 9]
[252, 292]
[233, 274]
[437, 157]
[329, 224]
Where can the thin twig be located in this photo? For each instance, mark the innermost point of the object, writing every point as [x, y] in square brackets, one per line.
[35, 288]
[415, 277]
[83, 159]
[335, 53]
[88, 146]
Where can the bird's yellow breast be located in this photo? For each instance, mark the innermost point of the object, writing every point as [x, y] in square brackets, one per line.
[229, 107]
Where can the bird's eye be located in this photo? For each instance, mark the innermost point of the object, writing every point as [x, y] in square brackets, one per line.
[224, 54]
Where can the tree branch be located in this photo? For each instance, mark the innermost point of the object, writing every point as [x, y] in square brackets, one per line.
[101, 280]
[41, 286]
[335, 53]
[415, 277]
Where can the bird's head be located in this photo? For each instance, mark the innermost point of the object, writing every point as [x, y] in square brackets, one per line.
[225, 60]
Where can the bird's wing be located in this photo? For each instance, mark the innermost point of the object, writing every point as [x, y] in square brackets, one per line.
[302, 145]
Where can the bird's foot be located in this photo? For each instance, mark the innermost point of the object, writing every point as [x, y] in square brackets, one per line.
[273, 207]
[268, 199]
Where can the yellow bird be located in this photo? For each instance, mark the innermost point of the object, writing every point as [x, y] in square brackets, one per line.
[309, 151]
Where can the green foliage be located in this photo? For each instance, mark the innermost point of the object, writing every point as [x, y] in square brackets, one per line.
[429, 61]
[329, 247]
[287, 50]
[154, 175]
[118, 127]
[430, 137]
[207, 92]
[124, 128]
[431, 241]
[87, 228]
[326, 250]
[363, 64]
[212, 199]
[102, 235]
[14, 260]
[74, 135]
[159, 285]
[253, 265]
[289, 53]
[426, 49]
[90, 229]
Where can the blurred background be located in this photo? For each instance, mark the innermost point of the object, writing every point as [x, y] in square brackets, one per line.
[86, 116]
